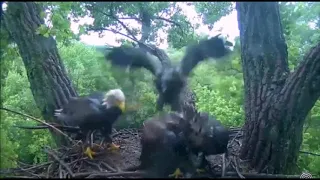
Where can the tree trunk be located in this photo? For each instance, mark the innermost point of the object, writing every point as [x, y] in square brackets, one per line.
[276, 101]
[49, 83]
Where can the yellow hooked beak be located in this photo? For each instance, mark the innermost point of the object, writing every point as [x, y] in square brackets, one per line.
[121, 105]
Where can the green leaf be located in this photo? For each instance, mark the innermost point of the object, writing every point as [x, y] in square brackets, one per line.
[82, 30]
[42, 29]
[46, 35]
[42, 14]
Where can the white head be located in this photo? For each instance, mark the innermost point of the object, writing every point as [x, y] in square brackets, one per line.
[114, 98]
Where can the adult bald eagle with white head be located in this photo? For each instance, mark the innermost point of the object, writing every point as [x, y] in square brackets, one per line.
[170, 80]
[97, 111]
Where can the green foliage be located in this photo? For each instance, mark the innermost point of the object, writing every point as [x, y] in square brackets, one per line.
[213, 11]
[112, 17]
[17, 143]
[58, 21]
[221, 94]
[311, 142]
[300, 28]
[223, 91]
[7, 148]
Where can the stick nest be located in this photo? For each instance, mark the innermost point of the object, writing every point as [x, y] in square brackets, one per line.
[70, 162]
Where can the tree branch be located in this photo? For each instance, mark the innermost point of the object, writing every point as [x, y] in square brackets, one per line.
[309, 153]
[128, 18]
[38, 120]
[168, 20]
[133, 37]
[112, 30]
[305, 80]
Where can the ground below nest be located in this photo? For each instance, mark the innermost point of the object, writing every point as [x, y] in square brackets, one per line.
[69, 162]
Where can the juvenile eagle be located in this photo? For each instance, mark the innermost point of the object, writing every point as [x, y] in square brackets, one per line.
[164, 145]
[97, 111]
[207, 137]
[162, 140]
[169, 80]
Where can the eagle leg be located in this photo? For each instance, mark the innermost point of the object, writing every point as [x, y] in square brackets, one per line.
[89, 153]
[177, 173]
[88, 150]
[110, 145]
[204, 163]
[113, 147]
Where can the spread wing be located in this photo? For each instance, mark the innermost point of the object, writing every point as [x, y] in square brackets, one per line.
[134, 57]
[215, 47]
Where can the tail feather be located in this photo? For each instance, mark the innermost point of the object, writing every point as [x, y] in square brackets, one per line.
[58, 110]
[65, 120]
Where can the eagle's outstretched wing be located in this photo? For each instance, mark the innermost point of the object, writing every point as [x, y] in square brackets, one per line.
[134, 57]
[215, 47]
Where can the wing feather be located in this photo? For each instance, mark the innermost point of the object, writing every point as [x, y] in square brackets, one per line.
[215, 47]
[76, 111]
[134, 57]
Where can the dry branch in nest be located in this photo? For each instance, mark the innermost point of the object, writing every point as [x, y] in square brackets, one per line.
[70, 162]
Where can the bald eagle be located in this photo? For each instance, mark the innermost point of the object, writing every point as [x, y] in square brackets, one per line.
[97, 111]
[164, 142]
[162, 139]
[207, 137]
[169, 80]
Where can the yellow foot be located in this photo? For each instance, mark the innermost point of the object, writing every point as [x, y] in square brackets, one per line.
[199, 171]
[89, 153]
[114, 147]
[177, 173]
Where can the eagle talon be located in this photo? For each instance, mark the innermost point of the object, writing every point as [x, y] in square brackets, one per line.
[89, 152]
[177, 173]
[199, 171]
[113, 147]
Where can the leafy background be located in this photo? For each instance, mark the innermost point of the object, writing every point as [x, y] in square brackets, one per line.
[220, 94]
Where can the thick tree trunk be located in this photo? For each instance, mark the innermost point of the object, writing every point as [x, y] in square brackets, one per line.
[276, 102]
[49, 83]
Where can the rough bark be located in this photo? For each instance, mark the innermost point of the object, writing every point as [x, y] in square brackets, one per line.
[49, 83]
[276, 101]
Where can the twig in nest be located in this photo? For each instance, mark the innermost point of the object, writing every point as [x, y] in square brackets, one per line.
[261, 175]
[80, 166]
[60, 172]
[37, 166]
[235, 137]
[20, 177]
[38, 120]
[223, 164]
[235, 166]
[48, 171]
[240, 144]
[60, 162]
[94, 164]
[106, 174]
[30, 173]
[108, 167]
